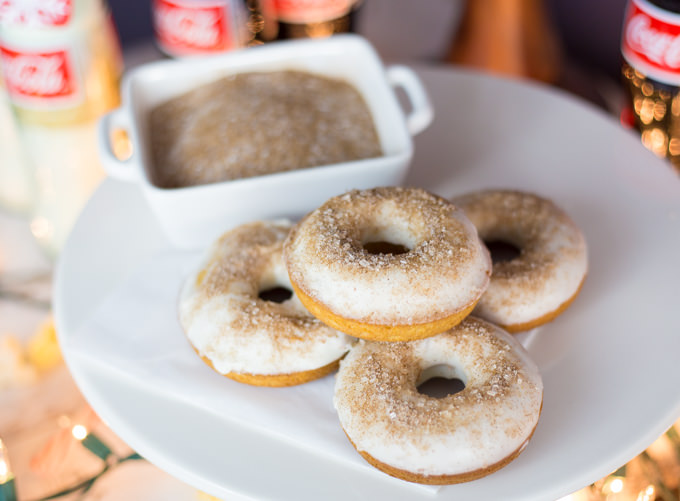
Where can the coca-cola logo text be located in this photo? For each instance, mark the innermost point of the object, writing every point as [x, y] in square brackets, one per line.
[659, 46]
[197, 27]
[651, 41]
[37, 75]
[36, 13]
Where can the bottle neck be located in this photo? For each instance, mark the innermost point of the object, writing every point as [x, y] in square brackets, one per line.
[305, 19]
[667, 5]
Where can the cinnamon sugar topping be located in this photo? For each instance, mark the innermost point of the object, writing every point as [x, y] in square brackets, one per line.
[239, 332]
[252, 124]
[240, 255]
[445, 268]
[389, 372]
[552, 262]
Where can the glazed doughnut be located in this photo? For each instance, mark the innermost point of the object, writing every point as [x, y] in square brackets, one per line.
[243, 336]
[460, 437]
[429, 277]
[546, 276]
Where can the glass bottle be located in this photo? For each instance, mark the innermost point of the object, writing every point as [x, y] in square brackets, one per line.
[650, 46]
[314, 18]
[61, 63]
[185, 28]
[16, 187]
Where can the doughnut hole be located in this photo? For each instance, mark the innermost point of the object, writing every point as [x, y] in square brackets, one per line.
[502, 250]
[393, 239]
[439, 381]
[276, 294]
[382, 247]
[273, 286]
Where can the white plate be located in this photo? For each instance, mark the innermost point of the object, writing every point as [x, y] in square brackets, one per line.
[610, 363]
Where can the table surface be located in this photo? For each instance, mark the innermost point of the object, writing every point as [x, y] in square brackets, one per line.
[35, 409]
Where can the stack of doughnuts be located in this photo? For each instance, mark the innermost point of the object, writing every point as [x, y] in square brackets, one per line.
[397, 286]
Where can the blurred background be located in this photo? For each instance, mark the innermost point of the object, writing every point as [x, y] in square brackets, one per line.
[589, 31]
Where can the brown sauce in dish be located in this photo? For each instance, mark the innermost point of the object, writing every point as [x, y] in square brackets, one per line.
[251, 124]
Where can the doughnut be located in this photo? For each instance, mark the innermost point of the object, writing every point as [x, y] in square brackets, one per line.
[243, 336]
[545, 277]
[387, 264]
[459, 437]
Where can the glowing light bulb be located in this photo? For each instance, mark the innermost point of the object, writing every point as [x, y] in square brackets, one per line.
[6, 475]
[91, 442]
[647, 494]
[616, 485]
[79, 432]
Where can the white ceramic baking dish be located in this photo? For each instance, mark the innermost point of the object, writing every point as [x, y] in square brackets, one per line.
[193, 216]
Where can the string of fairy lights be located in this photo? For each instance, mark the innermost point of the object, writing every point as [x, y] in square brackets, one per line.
[653, 475]
[91, 442]
[622, 485]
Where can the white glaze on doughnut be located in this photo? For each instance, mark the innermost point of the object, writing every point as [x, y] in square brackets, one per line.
[385, 416]
[446, 269]
[238, 332]
[553, 258]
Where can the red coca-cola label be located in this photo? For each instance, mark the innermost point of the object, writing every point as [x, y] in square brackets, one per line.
[311, 11]
[185, 27]
[39, 78]
[35, 13]
[651, 41]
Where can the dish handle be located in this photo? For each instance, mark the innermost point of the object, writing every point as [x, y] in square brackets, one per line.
[120, 168]
[420, 115]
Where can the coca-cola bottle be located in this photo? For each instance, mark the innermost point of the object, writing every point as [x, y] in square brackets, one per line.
[16, 187]
[198, 27]
[650, 46]
[61, 64]
[314, 18]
